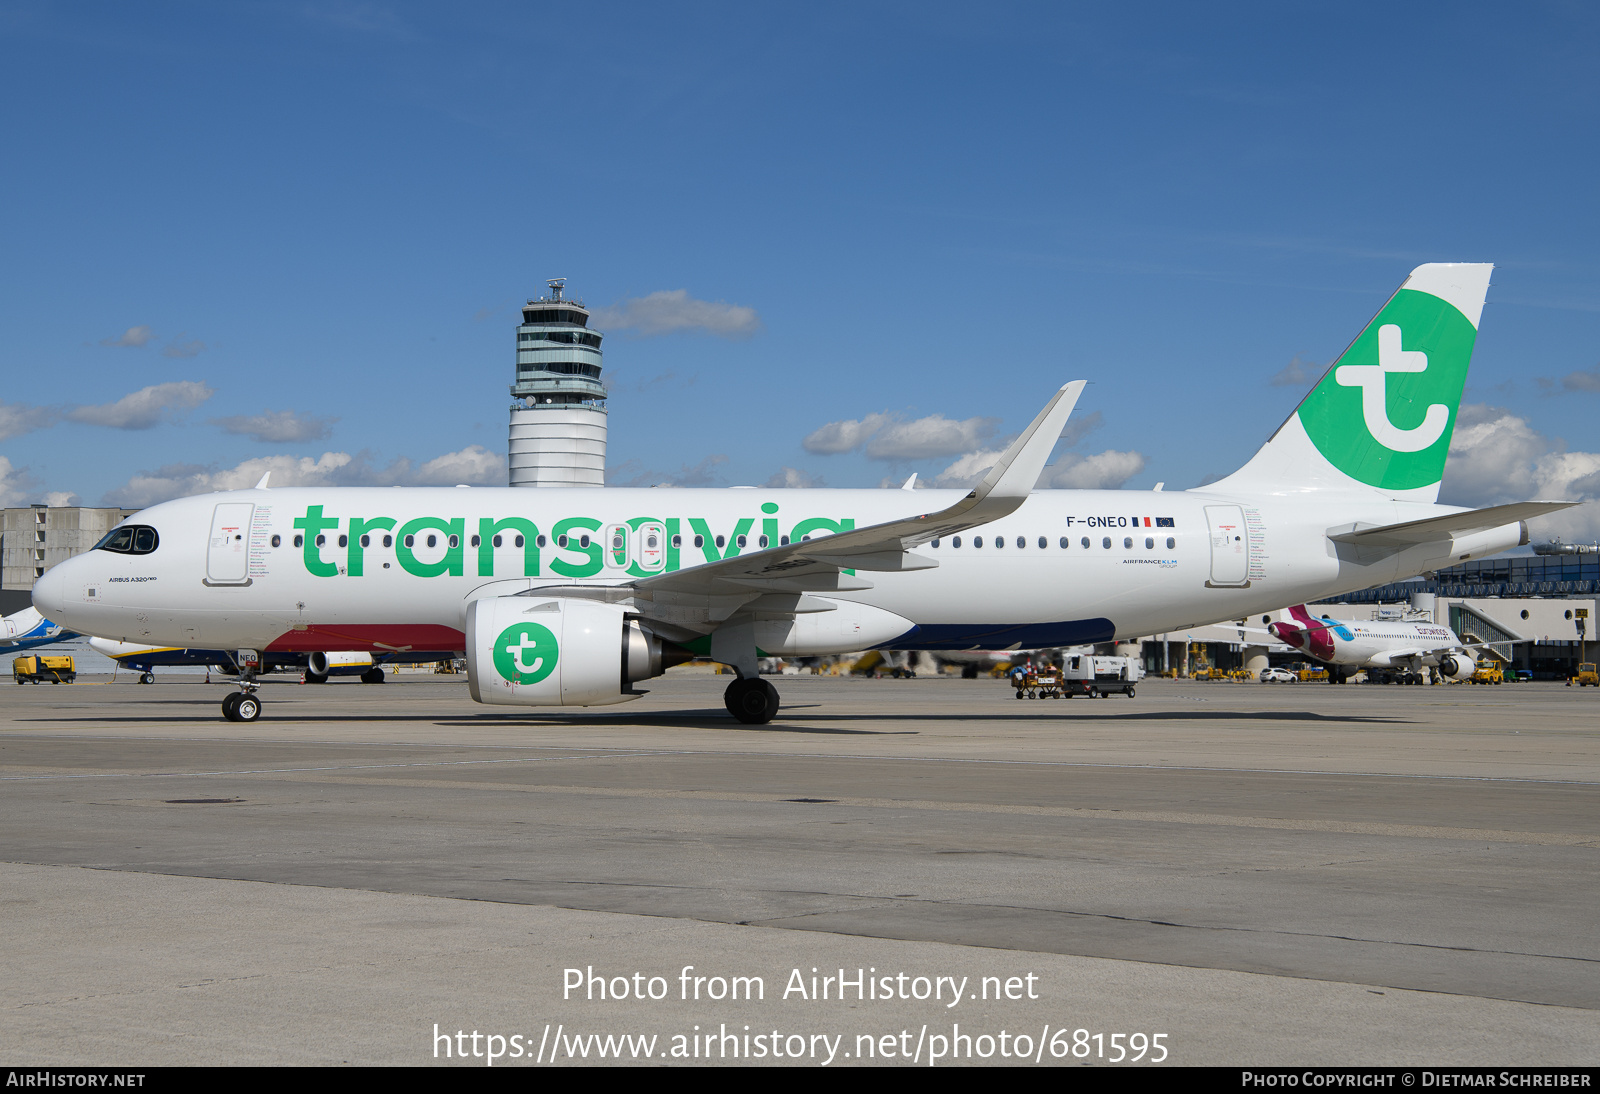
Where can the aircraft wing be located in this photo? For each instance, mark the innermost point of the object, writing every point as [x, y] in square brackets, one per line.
[816, 565]
[1433, 529]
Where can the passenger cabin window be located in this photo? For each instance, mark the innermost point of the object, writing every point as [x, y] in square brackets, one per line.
[388, 541]
[1064, 542]
[1106, 543]
[277, 541]
[1043, 543]
[955, 541]
[299, 541]
[1127, 542]
[1149, 543]
[1171, 543]
[977, 541]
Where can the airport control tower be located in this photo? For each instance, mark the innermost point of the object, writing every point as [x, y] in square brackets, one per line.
[558, 412]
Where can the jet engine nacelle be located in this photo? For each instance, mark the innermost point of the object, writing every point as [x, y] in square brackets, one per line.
[559, 651]
[1457, 666]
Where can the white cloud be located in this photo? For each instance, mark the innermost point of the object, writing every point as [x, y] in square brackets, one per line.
[1106, 470]
[57, 499]
[673, 310]
[17, 419]
[182, 480]
[1297, 373]
[968, 470]
[1497, 457]
[633, 473]
[844, 436]
[179, 348]
[133, 337]
[886, 437]
[1588, 380]
[474, 465]
[145, 408]
[793, 478]
[278, 426]
[933, 436]
[15, 483]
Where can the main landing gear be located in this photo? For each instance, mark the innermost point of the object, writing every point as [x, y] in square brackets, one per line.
[751, 700]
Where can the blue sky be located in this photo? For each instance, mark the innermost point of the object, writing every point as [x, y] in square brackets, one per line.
[937, 214]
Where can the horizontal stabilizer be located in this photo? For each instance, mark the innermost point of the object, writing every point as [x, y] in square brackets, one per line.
[1435, 529]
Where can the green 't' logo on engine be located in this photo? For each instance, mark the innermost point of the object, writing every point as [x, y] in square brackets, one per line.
[525, 653]
[1385, 411]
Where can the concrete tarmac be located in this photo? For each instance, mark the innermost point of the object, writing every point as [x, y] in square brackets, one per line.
[1265, 874]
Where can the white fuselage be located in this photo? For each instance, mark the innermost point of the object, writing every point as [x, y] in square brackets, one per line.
[227, 573]
[1378, 643]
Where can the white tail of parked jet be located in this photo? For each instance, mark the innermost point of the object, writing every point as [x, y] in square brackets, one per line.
[1379, 421]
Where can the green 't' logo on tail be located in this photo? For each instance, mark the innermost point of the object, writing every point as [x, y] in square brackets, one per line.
[1384, 413]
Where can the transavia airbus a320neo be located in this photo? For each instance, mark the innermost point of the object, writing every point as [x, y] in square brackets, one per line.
[573, 597]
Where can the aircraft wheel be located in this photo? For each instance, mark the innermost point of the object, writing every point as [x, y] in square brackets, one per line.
[147, 678]
[372, 676]
[316, 677]
[969, 672]
[230, 706]
[247, 709]
[752, 701]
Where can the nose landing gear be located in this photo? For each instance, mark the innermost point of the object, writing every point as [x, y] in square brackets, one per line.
[241, 706]
[244, 705]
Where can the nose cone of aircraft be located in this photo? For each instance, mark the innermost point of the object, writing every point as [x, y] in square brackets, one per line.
[50, 591]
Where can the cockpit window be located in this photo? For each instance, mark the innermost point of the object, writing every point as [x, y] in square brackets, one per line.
[130, 539]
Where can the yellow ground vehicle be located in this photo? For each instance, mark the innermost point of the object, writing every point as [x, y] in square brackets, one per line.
[1488, 674]
[57, 670]
[1588, 676]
